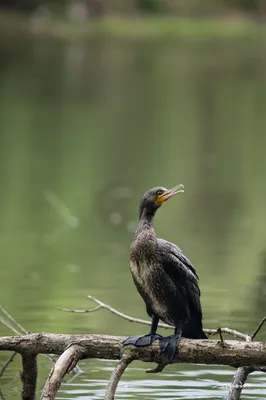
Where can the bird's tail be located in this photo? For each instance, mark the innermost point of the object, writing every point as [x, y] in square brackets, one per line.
[192, 330]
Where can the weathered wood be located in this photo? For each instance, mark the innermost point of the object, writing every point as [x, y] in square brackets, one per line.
[235, 353]
[116, 376]
[29, 376]
[65, 363]
[238, 382]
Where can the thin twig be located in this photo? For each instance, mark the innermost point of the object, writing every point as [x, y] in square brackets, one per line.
[73, 310]
[219, 330]
[6, 364]
[7, 323]
[101, 305]
[13, 320]
[254, 334]
[61, 209]
[116, 376]
[76, 372]
[228, 331]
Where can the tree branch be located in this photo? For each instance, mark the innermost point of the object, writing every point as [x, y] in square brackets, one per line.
[247, 356]
[116, 376]
[29, 376]
[6, 364]
[101, 305]
[13, 325]
[254, 334]
[13, 320]
[65, 363]
[242, 373]
[238, 382]
[235, 353]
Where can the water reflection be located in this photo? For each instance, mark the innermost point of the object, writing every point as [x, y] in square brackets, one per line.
[200, 383]
[86, 128]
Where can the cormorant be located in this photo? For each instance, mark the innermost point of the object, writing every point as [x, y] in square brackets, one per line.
[165, 278]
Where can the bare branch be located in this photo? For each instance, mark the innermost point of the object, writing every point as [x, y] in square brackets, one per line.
[65, 363]
[101, 305]
[124, 316]
[219, 330]
[235, 353]
[73, 310]
[238, 382]
[8, 325]
[228, 331]
[242, 373]
[116, 376]
[29, 376]
[6, 364]
[254, 334]
[13, 320]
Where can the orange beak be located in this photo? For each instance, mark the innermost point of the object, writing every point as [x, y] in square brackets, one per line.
[170, 193]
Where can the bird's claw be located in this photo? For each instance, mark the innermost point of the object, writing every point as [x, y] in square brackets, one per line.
[168, 346]
[141, 340]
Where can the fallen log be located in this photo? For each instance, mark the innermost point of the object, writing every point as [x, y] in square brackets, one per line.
[247, 356]
[72, 348]
[234, 353]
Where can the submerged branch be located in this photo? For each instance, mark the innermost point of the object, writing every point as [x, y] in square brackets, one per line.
[6, 364]
[247, 356]
[65, 363]
[242, 373]
[29, 376]
[238, 382]
[116, 376]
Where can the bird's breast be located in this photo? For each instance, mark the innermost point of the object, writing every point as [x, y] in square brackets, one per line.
[141, 271]
[148, 281]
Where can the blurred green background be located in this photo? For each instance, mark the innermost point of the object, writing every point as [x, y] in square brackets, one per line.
[98, 103]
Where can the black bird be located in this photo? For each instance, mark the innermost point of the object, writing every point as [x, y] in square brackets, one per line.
[165, 278]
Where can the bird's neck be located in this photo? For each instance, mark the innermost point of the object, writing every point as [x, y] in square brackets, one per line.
[144, 243]
[146, 223]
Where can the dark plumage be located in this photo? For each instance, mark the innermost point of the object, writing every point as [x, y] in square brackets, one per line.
[165, 278]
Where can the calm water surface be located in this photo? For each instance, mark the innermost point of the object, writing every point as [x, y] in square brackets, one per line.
[85, 129]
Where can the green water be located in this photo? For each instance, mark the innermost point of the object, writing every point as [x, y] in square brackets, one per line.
[85, 128]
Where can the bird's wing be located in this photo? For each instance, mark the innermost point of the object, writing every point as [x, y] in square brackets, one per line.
[176, 253]
[181, 271]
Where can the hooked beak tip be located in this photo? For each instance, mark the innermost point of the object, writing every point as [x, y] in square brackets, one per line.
[170, 193]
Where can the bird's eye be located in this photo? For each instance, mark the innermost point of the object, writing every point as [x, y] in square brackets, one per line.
[159, 193]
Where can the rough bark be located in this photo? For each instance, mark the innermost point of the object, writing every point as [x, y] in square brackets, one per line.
[238, 382]
[65, 363]
[116, 376]
[29, 376]
[234, 353]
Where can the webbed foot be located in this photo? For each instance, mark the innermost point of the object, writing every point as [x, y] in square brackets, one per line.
[142, 340]
[169, 346]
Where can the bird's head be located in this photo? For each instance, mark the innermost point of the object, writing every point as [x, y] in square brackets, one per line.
[154, 198]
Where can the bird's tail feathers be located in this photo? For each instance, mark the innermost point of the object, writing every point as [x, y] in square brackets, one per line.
[193, 331]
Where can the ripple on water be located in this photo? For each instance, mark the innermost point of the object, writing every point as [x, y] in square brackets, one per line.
[200, 383]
